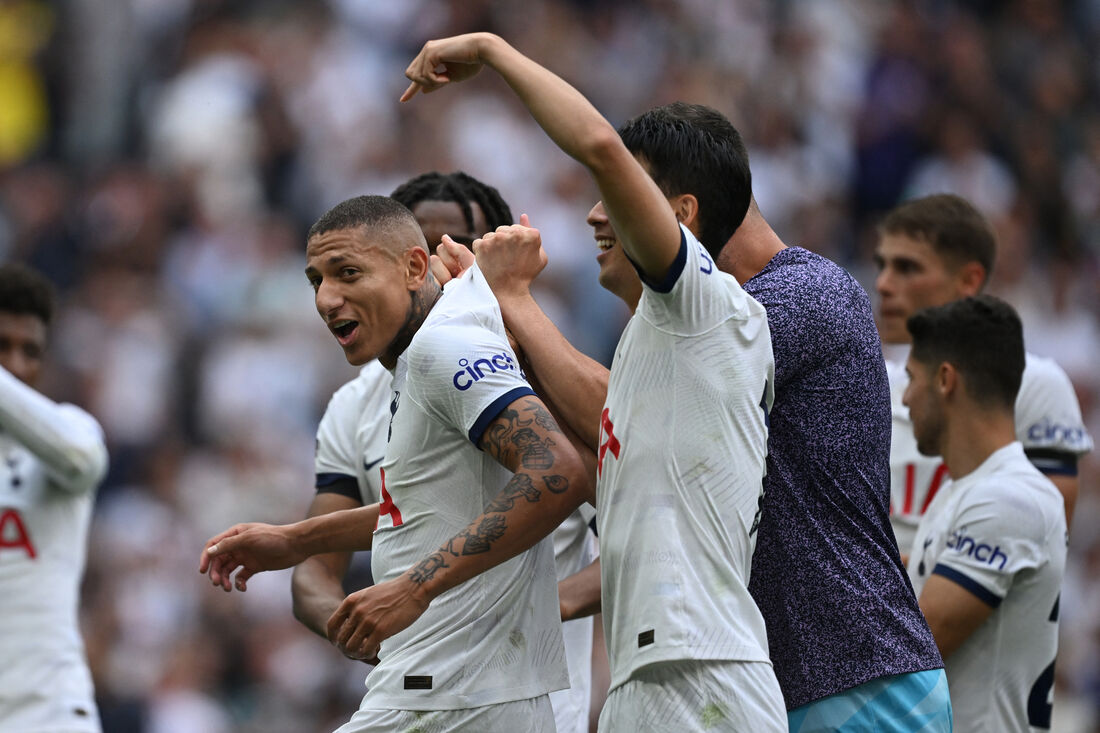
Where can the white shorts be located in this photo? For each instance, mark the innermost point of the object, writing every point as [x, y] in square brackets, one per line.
[533, 715]
[694, 695]
[571, 705]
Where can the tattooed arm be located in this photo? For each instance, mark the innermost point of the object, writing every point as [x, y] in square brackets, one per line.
[549, 482]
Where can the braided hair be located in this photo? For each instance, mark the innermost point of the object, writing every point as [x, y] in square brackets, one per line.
[462, 189]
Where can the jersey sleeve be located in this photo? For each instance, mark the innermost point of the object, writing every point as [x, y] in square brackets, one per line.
[68, 440]
[695, 295]
[467, 375]
[992, 537]
[1048, 418]
[335, 460]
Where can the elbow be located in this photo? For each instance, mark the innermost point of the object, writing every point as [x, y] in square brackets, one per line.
[603, 151]
[83, 467]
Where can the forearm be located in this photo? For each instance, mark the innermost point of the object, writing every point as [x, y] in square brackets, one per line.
[348, 530]
[531, 506]
[72, 449]
[317, 589]
[579, 594]
[638, 210]
[573, 382]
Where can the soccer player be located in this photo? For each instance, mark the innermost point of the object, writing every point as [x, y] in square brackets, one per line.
[931, 251]
[682, 435]
[991, 549]
[54, 457]
[351, 439]
[476, 476]
[862, 650]
[351, 442]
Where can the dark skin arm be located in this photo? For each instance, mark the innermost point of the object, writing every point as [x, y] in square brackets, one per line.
[579, 594]
[317, 583]
[549, 482]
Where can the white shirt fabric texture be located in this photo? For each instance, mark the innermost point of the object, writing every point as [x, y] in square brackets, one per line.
[999, 532]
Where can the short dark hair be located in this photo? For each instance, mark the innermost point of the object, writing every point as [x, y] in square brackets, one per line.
[982, 338]
[24, 291]
[691, 148]
[950, 224]
[361, 211]
[462, 189]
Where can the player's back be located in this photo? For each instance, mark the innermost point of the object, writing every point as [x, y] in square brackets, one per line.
[496, 637]
[44, 680]
[1048, 425]
[681, 459]
[826, 573]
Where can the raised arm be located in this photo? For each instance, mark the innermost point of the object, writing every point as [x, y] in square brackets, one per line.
[638, 210]
[576, 385]
[65, 438]
[549, 482]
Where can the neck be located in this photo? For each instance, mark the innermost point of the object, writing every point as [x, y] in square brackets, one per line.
[751, 247]
[421, 303]
[973, 435]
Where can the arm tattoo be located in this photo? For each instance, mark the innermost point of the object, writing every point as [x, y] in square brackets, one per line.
[543, 418]
[480, 540]
[425, 570]
[556, 484]
[519, 486]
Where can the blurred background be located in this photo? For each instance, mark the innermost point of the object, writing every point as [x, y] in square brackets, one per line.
[160, 161]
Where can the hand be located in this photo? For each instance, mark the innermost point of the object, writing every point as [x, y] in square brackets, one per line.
[449, 60]
[368, 617]
[450, 260]
[253, 548]
[511, 258]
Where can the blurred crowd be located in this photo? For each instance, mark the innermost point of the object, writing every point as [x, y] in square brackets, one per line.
[160, 161]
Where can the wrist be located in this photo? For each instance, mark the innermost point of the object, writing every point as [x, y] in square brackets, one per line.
[489, 46]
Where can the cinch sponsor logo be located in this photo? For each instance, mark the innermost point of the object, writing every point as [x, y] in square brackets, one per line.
[980, 551]
[1052, 432]
[464, 378]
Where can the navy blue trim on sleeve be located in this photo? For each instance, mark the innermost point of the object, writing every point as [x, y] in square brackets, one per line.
[495, 408]
[974, 587]
[674, 270]
[338, 483]
[1052, 461]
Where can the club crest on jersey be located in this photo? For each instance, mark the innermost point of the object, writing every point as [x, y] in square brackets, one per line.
[465, 377]
[980, 551]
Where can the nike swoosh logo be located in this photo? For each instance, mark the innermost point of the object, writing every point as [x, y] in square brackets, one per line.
[372, 464]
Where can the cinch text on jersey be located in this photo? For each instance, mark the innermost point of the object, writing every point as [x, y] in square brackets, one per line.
[464, 378]
[981, 552]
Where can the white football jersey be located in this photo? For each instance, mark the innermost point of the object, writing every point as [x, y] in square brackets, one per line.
[1048, 423]
[496, 637]
[683, 439]
[53, 459]
[351, 439]
[1000, 532]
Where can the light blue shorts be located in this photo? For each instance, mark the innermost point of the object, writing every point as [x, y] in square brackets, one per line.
[917, 702]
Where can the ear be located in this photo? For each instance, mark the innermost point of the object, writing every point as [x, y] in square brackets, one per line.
[417, 267]
[686, 208]
[947, 380]
[970, 279]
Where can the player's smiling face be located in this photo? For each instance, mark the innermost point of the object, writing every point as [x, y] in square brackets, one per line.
[361, 289]
[911, 276]
[22, 344]
[617, 274]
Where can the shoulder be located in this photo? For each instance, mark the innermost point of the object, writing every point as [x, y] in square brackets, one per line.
[1048, 414]
[1018, 496]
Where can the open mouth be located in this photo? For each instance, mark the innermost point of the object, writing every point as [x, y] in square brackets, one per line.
[605, 244]
[343, 330]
